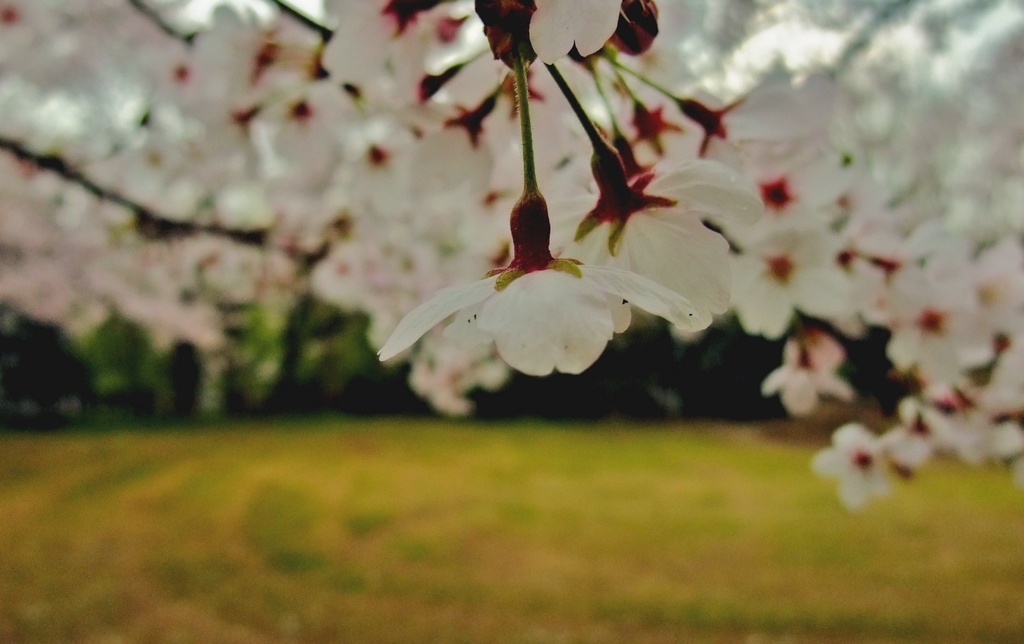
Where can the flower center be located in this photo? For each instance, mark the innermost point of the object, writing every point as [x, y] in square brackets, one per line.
[265, 57]
[862, 459]
[9, 15]
[781, 268]
[377, 156]
[1000, 343]
[182, 73]
[301, 111]
[776, 194]
[845, 258]
[932, 322]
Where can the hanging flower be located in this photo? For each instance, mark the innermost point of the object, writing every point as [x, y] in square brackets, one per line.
[556, 319]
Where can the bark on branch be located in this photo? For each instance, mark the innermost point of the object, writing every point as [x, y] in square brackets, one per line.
[149, 223]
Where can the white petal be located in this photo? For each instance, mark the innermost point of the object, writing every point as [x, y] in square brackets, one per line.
[799, 396]
[464, 331]
[557, 24]
[823, 291]
[852, 436]
[711, 189]
[645, 293]
[904, 348]
[836, 387]
[677, 251]
[854, 492]
[622, 315]
[548, 320]
[425, 316]
[775, 380]
[1007, 440]
[551, 29]
[1018, 472]
[595, 23]
[763, 306]
[830, 463]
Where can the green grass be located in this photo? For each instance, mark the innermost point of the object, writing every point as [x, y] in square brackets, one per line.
[408, 532]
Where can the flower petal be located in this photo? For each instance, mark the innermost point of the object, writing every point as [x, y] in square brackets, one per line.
[679, 252]
[557, 24]
[645, 293]
[711, 189]
[425, 316]
[548, 320]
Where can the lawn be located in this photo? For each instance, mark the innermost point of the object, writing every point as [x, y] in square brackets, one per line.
[410, 532]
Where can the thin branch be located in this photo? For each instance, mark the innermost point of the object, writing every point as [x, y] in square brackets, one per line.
[154, 16]
[148, 223]
[325, 33]
[864, 39]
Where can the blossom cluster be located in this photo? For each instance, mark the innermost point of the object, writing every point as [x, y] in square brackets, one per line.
[561, 153]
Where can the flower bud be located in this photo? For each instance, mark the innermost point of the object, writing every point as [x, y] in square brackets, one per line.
[638, 26]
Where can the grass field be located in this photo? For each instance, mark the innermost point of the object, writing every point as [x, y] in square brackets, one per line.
[413, 532]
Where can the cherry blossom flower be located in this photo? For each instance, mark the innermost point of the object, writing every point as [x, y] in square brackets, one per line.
[655, 228]
[931, 309]
[559, 319]
[922, 429]
[789, 270]
[809, 363]
[856, 460]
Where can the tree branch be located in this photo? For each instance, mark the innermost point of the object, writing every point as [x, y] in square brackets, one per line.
[154, 16]
[885, 16]
[148, 223]
[325, 33]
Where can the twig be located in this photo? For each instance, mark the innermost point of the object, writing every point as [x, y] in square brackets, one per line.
[158, 20]
[325, 33]
[148, 223]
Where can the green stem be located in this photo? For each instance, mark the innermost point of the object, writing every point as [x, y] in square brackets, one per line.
[530, 184]
[640, 77]
[607, 104]
[624, 85]
[601, 146]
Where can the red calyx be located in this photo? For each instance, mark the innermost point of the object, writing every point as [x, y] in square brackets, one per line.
[473, 120]
[887, 265]
[651, 126]
[629, 162]
[405, 12]
[638, 26]
[506, 24]
[619, 196]
[242, 117]
[531, 234]
[710, 120]
[432, 84]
